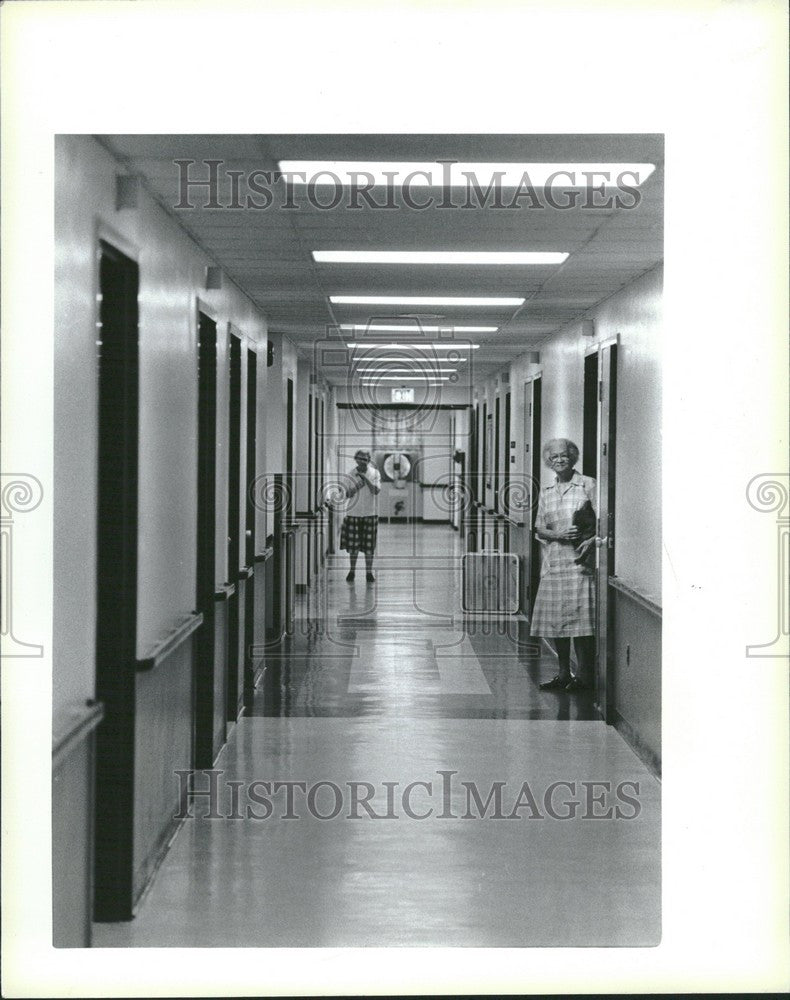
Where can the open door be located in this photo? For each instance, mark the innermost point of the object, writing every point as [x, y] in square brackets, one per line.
[210, 681]
[607, 453]
[116, 583]
[532, 470]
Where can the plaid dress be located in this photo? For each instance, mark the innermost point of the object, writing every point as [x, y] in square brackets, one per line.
[565, 605]
[358, 534]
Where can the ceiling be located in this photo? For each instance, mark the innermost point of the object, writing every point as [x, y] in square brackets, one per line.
[267, 252]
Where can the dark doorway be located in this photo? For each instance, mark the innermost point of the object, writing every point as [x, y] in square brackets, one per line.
[289, 442]
[486, 457]
[209, 682]
[533, 464]
[116, 581]
[607, 457]
[506, 459]
[590, 416]
[235, 659]
[253, 608]
[497, 453]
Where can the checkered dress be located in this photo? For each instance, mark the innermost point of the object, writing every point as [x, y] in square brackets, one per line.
[565, 605]
[358, 534]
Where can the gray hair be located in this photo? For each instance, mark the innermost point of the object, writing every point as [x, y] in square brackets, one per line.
[570, 447]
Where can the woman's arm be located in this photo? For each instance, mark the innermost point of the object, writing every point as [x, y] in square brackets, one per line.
[545, 534]
[373, 484]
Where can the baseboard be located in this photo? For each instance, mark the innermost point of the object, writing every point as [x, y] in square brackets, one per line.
[649, 757]
[146, 874]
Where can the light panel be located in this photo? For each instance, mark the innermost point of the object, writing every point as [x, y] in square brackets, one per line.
[430, 173]
[371, 358]
[424, 300]
[392, 371]
[485, 257]
[414, 327]
[423, 346]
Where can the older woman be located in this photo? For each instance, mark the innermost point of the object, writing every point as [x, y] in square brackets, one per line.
[360, 525]
[565, 603]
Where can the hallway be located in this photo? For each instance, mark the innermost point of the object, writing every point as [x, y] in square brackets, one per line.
[390, 684]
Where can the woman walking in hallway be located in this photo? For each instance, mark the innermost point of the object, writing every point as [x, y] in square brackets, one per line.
[360, 526]
[565, 603]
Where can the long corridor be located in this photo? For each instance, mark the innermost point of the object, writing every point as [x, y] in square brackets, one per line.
[380, 687]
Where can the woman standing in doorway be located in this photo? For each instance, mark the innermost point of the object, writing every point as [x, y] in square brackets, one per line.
[565, 603]
[360, 525]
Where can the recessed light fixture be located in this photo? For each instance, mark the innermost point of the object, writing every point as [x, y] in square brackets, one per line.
[424, 300]
[505, 257]
[429, 346]
[407, 378]
[385, 369]
[431, 173]
[376, 358]
[414, 328]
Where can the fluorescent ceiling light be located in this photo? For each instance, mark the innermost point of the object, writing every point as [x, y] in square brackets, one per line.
[375, 358]
[415, 327]
[391, 371]
[438, 257]
[423, 300]
[423, 346]
[430, 173]
[407, 378]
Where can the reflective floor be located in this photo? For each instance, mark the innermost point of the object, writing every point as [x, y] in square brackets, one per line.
[402, 780]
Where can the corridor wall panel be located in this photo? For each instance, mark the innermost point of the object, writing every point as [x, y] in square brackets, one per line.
[172, 273]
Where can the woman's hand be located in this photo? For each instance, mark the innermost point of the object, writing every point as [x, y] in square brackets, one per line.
[567, 534]
[585, 546]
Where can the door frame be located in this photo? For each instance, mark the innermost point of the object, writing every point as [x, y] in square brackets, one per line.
[531, 464]
[605, 510]
[209, 724]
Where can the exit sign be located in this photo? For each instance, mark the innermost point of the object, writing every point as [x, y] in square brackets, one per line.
[403, 395]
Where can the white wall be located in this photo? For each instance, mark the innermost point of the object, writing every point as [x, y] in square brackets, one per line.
[633, 314]
[172, 277]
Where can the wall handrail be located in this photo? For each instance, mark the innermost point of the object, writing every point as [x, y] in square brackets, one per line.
[171, 642]
[81, 722]
[636, 595]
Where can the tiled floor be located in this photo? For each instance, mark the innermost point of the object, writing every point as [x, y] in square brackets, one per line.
[380, 687]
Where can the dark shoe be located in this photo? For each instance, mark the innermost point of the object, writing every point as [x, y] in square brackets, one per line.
[554, 684]
[350, 577]
[575, 685]
[370, 578]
